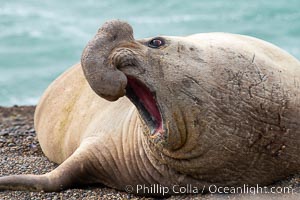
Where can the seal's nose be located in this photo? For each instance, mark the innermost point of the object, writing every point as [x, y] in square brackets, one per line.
[116, 30]
[103, 77]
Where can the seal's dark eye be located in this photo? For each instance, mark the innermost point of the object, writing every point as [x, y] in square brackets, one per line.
[156, 42]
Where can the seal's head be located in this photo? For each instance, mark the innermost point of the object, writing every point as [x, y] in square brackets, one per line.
[147, 71]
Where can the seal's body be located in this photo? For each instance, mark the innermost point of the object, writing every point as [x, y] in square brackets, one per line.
[205, 109]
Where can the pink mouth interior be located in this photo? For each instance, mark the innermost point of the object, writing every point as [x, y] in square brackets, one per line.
[147, 99]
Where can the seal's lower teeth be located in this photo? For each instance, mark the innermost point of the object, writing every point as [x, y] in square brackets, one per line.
[152, 131]
[152, 118]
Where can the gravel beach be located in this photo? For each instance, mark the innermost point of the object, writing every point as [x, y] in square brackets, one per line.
[20, 153]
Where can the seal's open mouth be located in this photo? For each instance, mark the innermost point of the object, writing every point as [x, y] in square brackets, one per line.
[145, 102]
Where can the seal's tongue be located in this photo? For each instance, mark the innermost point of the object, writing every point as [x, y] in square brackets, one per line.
[145, 101]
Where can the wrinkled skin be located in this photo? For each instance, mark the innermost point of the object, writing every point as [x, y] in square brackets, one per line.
[229, 104]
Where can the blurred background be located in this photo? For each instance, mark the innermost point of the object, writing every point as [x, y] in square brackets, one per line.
[41, 39]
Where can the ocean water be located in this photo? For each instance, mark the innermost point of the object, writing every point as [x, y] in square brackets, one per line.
[41, 39]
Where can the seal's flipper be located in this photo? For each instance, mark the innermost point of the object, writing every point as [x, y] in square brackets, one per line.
[70, 173]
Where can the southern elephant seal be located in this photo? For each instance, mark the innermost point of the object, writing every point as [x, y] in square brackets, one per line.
[204, 109]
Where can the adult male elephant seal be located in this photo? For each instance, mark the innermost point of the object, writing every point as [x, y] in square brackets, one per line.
[205, 109]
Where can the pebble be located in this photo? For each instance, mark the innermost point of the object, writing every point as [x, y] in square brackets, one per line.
[2, 140]
[11, 145]
[13, 133]
[29, 137]
[4, 133]
[10, 140]
[31, 130]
